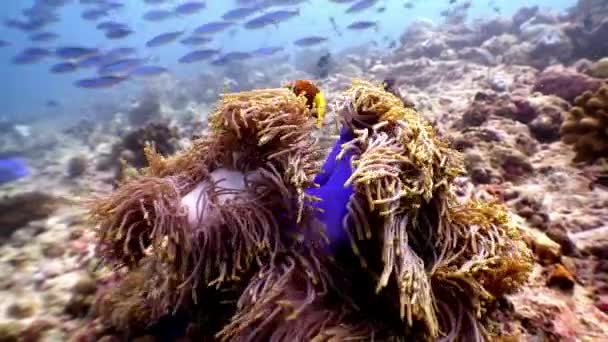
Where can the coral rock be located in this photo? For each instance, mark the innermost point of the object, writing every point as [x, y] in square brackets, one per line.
[594, 241]
[21, 310]
[10, 331]
[18, 210]
[85, 286]
[560, 277]
[599, 69]
[589, 43]
[77, 166]
[550, 116]
[564, 83]
[35, 331]
[546, 250]
[559, 235]
[513, 164]
[586, 126]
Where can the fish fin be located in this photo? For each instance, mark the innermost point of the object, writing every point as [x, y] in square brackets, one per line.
[320, 105]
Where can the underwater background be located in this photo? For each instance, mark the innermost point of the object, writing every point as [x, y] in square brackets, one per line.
[304, 170]
[36, 83]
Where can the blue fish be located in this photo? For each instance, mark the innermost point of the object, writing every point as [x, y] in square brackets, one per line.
[164, 38]
[90, 61]
[195, 40]
[94, 14]
[118, 32]
[147, 71]
[190, 7]
[62, 68]
[267, 51]
[74, 52]
[271, 18]
[121, 66]
[213, 27]
[31, 55]
[43, 37]
[240, 13]
[360, 6]
[198, 55]
[310, 41]
[99, 82]
[108, 25]
[231, 57]
[12, 169]
[157, 15]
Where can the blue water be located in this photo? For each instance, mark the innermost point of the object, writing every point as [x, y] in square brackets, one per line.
[27, 88]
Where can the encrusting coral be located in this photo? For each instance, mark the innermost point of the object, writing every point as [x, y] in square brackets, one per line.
[227, 231]
[586, 126]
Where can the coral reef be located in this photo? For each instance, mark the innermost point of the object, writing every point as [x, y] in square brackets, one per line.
[599, 69]
[211, 225]
[586, 126]
[565, 83]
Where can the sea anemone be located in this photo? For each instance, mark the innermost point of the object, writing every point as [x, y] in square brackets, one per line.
[207, 215]
[443, 260]
[228, 231]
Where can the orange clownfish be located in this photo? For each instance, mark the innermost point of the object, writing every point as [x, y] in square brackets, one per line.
[314, 97]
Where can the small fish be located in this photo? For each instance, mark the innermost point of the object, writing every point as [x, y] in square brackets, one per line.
[94, 14]
[240, 13]
[99, 82]
[197, 56]
[267, 51]
[363, 25]
[271, 18]
[408, 5]
[231, 57]
[157, 15]
[310, 41]
[52, 104]
[12, 169]
[90, 61]
[334, 25]
[195, 40]
[4, 43]
[74, 52]
[106, 25]
[190, 7]
[119, 52]
[43, 37]
[31, 55]
[381, 9]
[213, 27]
[146, 71]
[164, 38]
[120, 67]
[118, 32]
[323, 65]
[361, 5]
[64, 67]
